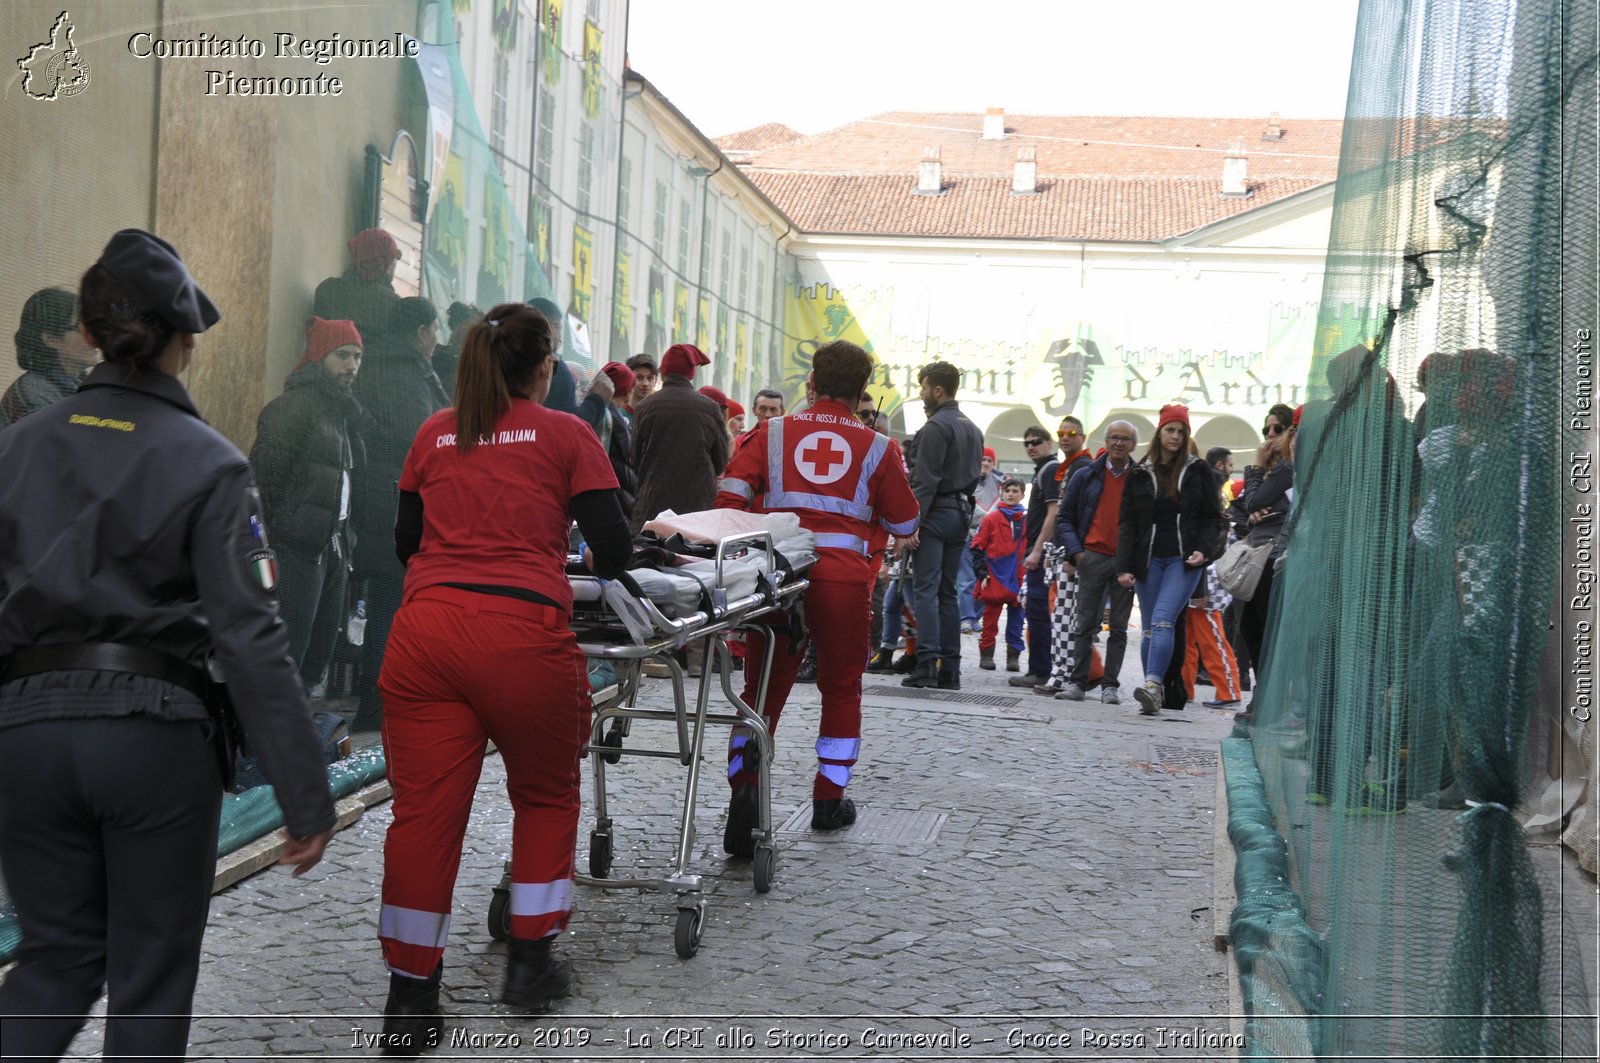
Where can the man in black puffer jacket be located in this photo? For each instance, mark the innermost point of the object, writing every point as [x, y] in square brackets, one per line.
[308, 444]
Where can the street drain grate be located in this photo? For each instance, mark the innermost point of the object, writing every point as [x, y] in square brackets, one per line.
[1203, 757]
[996, 701]
[894, 826]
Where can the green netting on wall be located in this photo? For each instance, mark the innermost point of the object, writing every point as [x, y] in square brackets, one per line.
[1424, 550]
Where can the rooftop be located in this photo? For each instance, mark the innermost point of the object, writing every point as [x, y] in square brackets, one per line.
[1097, 177]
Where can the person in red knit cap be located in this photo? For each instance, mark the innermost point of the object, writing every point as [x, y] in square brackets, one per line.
[680, 441]
[1171, 527]
[308, 442]
[844, 481]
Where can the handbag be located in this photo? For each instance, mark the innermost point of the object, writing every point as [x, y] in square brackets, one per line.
[1240, 566]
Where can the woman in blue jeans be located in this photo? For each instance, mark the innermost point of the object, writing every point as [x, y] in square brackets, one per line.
[1171, 527]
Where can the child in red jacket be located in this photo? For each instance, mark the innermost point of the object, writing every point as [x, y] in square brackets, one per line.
[1002, 544]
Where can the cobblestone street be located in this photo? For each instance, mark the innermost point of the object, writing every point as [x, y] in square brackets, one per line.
[1027, 877]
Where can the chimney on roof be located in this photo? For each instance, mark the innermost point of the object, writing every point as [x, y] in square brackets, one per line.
[994, 123]
[1025, 173]
[1235, 183]
[930, 182]
[1274, 127]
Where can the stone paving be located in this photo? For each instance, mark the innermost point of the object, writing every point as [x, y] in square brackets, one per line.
[1028, 878]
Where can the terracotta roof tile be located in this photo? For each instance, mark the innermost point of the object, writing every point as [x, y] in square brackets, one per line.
[758, 138]
[1083, 208]
[1099, 177]
[1085, 146]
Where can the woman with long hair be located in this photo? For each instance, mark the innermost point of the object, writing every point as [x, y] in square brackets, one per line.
[1265, 503]
[482, 650]
[1171, 527]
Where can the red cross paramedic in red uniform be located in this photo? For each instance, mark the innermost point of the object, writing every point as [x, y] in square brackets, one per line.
[482, 650]
[847, 483]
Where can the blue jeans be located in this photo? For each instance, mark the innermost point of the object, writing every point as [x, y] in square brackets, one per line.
[965, 579]
[933, 586]
[893, 622]
[1163, 595]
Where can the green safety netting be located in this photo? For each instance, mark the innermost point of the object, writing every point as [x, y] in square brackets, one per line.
[1390, 903]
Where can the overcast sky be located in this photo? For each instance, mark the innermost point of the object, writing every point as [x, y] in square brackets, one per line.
[732, 64]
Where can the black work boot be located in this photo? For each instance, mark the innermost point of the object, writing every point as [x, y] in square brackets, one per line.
[535, 975]
[1013, 660]
[832, 815]
[411, 1017]
[949, 679]
[923, 675]
[744, 815]
[882, 662]
[905, 664]
[986, 658]
[808, 666]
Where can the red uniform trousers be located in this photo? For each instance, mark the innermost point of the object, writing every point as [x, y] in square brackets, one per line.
[462, 668]
[1208, 642]
[839, 616]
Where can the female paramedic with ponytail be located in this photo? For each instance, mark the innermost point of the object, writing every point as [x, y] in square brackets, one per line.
[482, 650]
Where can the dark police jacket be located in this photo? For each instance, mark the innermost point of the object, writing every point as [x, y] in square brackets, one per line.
[949, 457]
[126, 518]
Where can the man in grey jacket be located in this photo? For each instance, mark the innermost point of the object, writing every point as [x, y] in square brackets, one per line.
[949, 451]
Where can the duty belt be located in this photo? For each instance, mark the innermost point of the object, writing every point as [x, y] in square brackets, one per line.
[104, 657]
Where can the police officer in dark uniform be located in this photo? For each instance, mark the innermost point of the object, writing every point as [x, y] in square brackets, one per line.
[134, 570]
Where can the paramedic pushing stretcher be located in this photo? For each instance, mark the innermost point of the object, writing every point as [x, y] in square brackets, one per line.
[482, 650]
[845, 482]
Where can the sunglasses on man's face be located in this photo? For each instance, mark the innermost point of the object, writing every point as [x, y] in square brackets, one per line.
[1069, 434]
[1034, 442]
[1272, 430]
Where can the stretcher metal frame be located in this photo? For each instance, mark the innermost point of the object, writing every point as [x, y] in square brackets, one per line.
[601, 636]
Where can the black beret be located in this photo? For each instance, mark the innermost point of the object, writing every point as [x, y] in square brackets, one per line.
[150, 267]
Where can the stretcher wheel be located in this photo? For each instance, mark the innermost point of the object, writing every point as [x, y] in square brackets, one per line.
[500, 914]
[765, 866]
[599, 855]
[686, 937]
[612, 739]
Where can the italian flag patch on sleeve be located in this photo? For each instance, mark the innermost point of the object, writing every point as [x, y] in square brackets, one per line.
[264, 567]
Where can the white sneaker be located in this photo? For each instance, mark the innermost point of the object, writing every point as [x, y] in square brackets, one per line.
[1071, 692]
[1110, 696]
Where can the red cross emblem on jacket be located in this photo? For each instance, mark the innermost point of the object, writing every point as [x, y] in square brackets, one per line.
[846, 482]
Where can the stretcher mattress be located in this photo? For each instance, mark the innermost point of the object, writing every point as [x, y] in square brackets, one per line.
[684, 589]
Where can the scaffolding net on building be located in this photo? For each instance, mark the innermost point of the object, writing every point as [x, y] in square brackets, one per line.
[1391, 905]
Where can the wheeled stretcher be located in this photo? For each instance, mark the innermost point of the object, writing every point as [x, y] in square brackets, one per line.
[750, 584]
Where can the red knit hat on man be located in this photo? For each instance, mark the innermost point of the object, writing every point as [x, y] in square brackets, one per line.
[1174, 412]
[372, 250]
[681, 359]
[988, 452]
[621, 376]
[716, 395]
[323, 336]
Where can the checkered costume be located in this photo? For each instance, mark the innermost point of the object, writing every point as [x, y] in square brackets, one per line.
[1060, 617]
